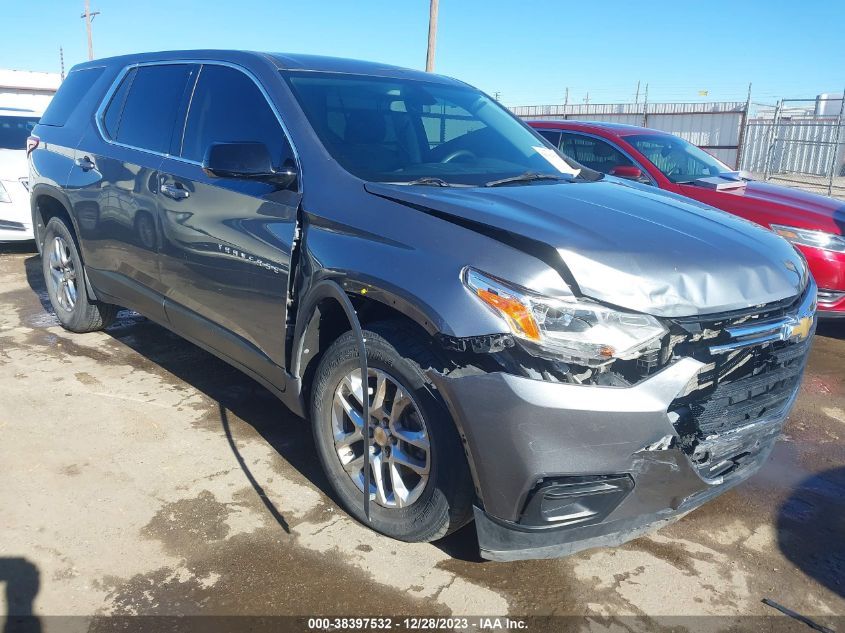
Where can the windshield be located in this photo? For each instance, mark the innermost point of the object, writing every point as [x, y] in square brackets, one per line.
[679, 160]
[400, 130]
[14, 130]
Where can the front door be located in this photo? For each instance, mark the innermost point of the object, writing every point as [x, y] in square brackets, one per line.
[225, 253]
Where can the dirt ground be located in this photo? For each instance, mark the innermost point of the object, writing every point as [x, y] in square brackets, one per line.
[141, 475]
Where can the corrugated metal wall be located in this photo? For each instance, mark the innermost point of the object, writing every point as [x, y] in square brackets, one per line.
[715, 127]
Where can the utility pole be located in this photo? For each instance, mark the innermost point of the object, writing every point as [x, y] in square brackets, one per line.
[432, 35]
[62, 62]
[88, 19]
[637, 96]
[587, 99]
[496, 95]
[566, 97]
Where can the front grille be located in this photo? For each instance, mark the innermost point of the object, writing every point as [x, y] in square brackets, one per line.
[743, 382]
[754, 384]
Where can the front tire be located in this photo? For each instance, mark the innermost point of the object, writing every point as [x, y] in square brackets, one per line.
[64, 276]
[420, 485]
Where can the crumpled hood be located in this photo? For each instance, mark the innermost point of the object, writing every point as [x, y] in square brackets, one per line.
[633, 247]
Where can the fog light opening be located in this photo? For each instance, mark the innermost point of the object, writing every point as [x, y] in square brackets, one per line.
[578, 500]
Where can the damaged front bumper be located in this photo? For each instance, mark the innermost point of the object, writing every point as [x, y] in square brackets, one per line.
[560, 468]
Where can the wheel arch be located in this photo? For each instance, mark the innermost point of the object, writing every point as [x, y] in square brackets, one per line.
[321, 320]
[46, 203]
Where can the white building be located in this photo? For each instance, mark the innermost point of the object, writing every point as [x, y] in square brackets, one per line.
[26, 89]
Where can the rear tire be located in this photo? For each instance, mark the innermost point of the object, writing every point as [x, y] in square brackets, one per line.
[438, 504]
[64, 276]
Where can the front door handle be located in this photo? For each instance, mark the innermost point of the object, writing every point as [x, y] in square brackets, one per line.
[174, 191]
[85, 163]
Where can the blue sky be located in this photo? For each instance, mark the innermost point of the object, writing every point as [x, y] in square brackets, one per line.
[528, 51]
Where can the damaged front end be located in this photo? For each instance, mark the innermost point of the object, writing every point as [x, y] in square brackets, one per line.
[569, 456]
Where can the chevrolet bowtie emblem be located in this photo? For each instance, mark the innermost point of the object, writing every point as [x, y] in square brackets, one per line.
[800, 330]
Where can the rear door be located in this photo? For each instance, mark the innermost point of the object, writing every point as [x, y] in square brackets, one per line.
[114, 182]
[225, 255]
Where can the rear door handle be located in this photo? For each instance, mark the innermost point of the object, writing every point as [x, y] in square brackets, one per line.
[85, 163]
[174, 191]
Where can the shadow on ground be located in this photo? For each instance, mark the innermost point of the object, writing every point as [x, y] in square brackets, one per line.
[236, 396]
[833, 328]
[22, 581]
[18, 248]
[811, 528]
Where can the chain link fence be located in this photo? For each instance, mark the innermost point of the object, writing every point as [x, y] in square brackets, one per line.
[798, 142]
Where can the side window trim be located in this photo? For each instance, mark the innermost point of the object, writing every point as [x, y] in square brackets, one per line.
[98, 116]
[187, 114]
[621, 150]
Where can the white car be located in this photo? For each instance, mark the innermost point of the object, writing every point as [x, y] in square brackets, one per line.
[15, 217]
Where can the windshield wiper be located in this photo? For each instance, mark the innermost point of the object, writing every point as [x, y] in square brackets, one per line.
[526, 177]
[428, 180]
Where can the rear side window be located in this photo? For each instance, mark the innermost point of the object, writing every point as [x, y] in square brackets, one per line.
[71, 92]
[111, 117]
[227, 106]
[151, 106]
[14, 130]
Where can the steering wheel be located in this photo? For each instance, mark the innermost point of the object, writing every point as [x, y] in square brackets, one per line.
[457, 154]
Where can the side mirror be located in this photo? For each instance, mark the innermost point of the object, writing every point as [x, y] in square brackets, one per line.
[247, 161]
[627, 171]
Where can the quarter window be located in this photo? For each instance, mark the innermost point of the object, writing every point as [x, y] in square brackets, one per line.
[227, 106]
[152, 106]
[111, 117]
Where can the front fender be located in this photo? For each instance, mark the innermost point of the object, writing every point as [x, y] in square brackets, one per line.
[413, 263]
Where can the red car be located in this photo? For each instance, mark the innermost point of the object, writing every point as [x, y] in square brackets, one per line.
[814, 224]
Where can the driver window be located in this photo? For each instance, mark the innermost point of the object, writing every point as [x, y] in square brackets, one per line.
[228, 106]
[593, 153]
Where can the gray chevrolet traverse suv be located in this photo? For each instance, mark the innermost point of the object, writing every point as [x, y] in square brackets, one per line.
[475, 325]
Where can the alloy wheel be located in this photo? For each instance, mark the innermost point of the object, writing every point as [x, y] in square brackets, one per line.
[400, 451]
[62, 274]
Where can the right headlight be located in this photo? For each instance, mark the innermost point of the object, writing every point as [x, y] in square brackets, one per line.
[573, 330]
[814, 239]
